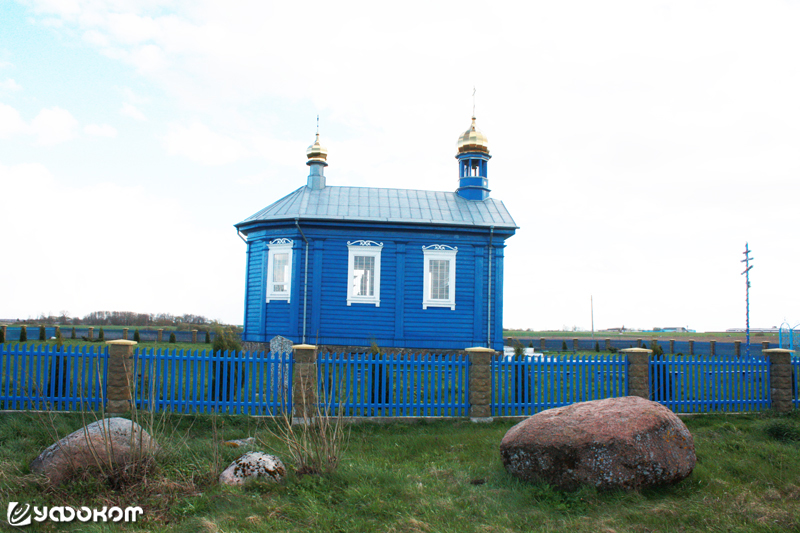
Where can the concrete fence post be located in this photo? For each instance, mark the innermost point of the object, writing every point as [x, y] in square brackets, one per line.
[160, 335]
[304, 384]
[712, 348]
[574, 345]
[691, 347]
[737, 348]
[120, 376]
[781, 388]
[542, 343]
[608, 345]
[124, 334]
[90, 334]
[638, 371]
[194, 336]
[4, 332]
[672, 346]
[480, 383]
[764, 345]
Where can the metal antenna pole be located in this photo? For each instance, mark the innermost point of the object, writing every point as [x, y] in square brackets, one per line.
[746, 273]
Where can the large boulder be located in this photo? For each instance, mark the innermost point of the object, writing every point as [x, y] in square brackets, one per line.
[626, 443]
[108, 444]
[253, 465]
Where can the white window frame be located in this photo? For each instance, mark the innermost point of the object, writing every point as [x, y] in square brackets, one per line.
[278, 246]
[439, 252]
[368, 249]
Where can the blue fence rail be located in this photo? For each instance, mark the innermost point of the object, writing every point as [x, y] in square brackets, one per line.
[192, 381]
[49, 378]
[526, 385]
[699, 384]
[393, 385]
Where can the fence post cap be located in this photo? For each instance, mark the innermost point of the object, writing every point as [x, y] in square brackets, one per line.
[479, 349]
[636, 350]
[777, 350]
[304, 347]
[122, 342]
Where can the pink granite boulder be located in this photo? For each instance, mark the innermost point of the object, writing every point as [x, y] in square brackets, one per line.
[617, 443]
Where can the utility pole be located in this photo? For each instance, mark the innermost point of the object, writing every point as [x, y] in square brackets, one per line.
[746, 274]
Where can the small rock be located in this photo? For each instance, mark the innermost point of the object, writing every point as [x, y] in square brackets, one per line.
[626, 443]
[253, 465]
[238, 443]
[110, 442]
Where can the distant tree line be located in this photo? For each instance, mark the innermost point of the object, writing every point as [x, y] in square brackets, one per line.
[126, 318]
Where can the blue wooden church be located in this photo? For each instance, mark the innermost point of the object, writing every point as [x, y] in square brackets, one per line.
[349, 266]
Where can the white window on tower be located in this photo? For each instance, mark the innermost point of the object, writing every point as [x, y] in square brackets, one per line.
[279, 269]
[439, 282]
[364, 272]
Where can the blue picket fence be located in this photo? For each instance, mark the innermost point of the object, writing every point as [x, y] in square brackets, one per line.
[192, 381]
[393, 385]
[526, 385]
[49, 378]
[699, 384]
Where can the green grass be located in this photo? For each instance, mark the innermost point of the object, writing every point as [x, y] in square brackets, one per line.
[722, 336]
[426, 477]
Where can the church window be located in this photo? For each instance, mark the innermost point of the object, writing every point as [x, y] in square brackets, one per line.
[439, 282]
[364, 272]
[279, 270]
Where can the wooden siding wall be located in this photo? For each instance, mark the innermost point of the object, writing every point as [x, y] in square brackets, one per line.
[400, 320]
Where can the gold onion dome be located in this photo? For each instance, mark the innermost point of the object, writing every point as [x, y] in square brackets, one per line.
[473, 140]
[316, 152]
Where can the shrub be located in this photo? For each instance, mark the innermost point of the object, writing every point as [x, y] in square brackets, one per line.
[101, 336]
[530, 344]
[73, 336]
[563, 346]
[613, 350]
[172, 339]
[23, 334]
[2, 336]
[657, 349]
[59, 339]
[519, 350]
[208, 337]
[136, 336]
[42, 333]
[597, 347]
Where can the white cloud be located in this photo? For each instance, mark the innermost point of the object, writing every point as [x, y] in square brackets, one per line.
[100, 130]
[129, 110]
[10, 85]
[99, 216]
[202, 145]
[11, 123]
[54, 126]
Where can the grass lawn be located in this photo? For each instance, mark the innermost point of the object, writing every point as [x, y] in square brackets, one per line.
[422, 477]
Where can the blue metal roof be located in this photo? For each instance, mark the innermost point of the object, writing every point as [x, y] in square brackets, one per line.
[386, 205]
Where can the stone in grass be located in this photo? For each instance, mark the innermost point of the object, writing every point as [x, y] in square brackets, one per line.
[108, 443]
[617, 443]
[253, 465]
[239, 443]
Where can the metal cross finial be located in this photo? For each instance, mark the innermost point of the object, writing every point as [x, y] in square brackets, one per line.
[473, 101]
[746, 274]
[317, 124]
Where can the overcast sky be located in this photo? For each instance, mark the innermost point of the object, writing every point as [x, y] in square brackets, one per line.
[638, 145]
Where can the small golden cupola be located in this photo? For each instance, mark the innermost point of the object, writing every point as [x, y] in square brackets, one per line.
[473, 140]
[317, 161]
[473, 158]
[317, 152]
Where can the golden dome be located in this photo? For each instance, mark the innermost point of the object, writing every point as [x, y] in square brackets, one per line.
[473, 140]
[316, 152]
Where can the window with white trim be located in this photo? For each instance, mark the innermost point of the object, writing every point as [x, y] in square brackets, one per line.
[279, 269]
[439, 285]
[364, 272]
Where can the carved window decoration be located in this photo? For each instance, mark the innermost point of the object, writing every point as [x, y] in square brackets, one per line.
[279, 269]
[439, 278]
[364, 272]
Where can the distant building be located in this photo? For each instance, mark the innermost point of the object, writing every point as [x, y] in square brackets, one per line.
[679, 329]
[352, 266]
